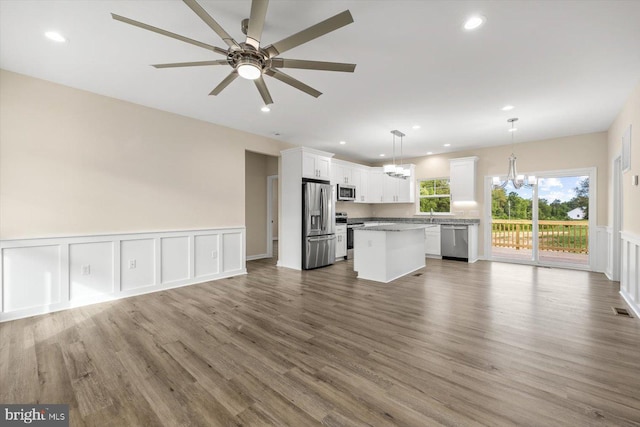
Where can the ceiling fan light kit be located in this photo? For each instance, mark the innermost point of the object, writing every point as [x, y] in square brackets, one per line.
[248, 59]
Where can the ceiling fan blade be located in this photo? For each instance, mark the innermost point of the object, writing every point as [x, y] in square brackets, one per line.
[191, 64]
[199, 10]
[285, 78]
[256, 22]
[168, 34]
[264, 92]
[227, 80]
[313, 32]
[312, 65]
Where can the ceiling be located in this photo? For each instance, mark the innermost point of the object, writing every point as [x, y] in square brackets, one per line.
[567, 67]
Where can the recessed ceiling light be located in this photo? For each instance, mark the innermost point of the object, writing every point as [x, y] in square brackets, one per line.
[429, 153]
[447, 145]
[513, 129]
[474, 22]
[508, 108]
[416, 126]
[56, 37]
[381, 155]
[265, 109]
[343, 142]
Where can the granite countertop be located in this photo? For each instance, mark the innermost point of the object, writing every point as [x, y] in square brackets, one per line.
[419, 220]
[395, 227]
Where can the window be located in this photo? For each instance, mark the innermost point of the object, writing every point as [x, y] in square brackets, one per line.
[434, 194]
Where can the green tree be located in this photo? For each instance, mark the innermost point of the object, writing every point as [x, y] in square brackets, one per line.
[581, 199]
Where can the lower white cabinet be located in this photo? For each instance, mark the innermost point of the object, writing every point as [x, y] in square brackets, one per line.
[341, 241]
[432, 241]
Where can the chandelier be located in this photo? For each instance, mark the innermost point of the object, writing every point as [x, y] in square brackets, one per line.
[393, 170]
[516, 180]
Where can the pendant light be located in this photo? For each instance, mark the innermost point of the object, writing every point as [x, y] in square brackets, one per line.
[394, 170]
[516, 180]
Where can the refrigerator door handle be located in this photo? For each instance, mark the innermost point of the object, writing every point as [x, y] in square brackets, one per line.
[322, 209]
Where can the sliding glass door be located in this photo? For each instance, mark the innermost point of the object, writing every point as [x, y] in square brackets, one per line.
[546, 224]
[511, 217]
[563, 220]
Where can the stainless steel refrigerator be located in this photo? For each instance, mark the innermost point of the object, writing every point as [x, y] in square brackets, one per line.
[318, 224]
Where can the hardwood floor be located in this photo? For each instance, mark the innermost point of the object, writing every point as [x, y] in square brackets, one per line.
[459, 344]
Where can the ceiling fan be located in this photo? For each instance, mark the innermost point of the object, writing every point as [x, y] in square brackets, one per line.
[248, 59]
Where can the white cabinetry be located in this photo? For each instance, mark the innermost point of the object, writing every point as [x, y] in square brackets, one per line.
[341, 241]
[341, 173]
[316, 165]
[462, 174]
[432, 241]
[375, 185]
[398, 190]
[346, 173]
[361, 181]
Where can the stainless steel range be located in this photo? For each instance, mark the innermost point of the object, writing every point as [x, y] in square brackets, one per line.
[350, 227]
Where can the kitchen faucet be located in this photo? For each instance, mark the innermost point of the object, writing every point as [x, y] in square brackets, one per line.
[431, 219]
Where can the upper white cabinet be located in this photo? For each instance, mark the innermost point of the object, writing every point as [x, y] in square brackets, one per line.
[360, 178]
[315, 165]
[341, 172]
[398, 190]
[374, 195]
[462, 175]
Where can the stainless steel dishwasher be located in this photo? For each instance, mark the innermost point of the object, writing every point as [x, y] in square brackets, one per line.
[454, 242]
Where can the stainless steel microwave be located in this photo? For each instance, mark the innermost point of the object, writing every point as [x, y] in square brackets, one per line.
[346, 192]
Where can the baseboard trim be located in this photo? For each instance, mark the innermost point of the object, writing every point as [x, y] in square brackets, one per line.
[627, 298]
[255, 257]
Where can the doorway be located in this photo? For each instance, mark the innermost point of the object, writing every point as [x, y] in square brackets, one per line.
[547, 224]
[272, 215]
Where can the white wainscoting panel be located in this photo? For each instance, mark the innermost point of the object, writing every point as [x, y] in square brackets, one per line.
[90, 270]
[141, 252]
[175, 258]
[50, 274]
[608, 271]
[23, 268]
[630, 274]
[232, 248]
[207, 254]
[602, 249]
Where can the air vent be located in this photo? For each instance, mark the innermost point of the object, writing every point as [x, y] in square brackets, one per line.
[621, 312]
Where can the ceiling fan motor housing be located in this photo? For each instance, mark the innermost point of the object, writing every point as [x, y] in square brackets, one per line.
[246, 57]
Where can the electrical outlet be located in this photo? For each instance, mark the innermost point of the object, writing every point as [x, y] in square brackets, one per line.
[85, 270]
[132, 264]
[214, 254]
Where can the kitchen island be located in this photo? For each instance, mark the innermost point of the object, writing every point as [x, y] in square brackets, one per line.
[383, 253]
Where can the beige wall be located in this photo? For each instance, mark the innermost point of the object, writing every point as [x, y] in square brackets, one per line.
[257, 168]
[77, 163]
[630, 115]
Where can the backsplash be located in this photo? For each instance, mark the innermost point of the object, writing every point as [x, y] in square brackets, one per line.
[396, 210]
